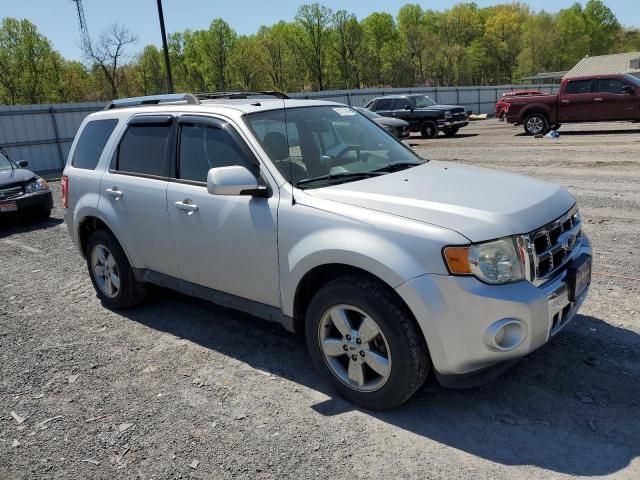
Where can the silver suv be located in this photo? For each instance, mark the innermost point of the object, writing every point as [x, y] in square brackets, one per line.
[308, 214]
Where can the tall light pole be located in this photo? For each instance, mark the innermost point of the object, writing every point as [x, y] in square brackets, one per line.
[165, 48]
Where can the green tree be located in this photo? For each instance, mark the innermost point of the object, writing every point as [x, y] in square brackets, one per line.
[347, 46]
[380, 34]
[311, 44]
[602, 27]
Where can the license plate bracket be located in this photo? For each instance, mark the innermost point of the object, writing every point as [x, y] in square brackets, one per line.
[8, 207]
[579, 276]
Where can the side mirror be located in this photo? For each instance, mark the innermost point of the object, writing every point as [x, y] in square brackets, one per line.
[23, 164]
[234, 180]
[628, 90]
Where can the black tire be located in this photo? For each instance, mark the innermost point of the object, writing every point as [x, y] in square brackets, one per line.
[407, 349]
[450, 131]
[130, 292]
[536, 124]
[429, 129]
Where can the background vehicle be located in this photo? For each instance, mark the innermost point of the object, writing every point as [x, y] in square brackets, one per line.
[396, 127]
[306, 213]
[422, 113]
[501, 105]
[22, 192]
[595, 98]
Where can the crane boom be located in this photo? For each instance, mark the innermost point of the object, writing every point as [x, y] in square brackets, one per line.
[85, 39]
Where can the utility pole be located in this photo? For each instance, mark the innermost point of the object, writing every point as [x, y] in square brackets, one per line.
[165, 48]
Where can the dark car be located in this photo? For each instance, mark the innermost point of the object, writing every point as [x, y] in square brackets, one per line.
[396, 127]
[597, 98]
[22, 192]
[423, 114]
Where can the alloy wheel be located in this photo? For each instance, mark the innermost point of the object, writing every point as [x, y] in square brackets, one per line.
[535, 125]
[354, 348]
[105, 271]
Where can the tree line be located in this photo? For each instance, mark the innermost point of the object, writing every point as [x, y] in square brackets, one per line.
[321, 49]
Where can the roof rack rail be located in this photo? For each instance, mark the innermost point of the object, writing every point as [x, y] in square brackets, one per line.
[169, 98]
[240, 95]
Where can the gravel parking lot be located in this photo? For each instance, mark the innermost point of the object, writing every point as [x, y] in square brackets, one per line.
[180, 388]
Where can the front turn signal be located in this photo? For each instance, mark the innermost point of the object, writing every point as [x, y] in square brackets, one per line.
[457, 259]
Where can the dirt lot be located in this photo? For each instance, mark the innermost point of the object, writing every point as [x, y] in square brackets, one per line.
[179, 388]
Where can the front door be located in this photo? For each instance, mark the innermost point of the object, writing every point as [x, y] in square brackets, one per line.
[226, 243]
[133, 193]
[613, 103]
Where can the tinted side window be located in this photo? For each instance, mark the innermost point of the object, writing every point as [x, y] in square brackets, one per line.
[401, 103]
[143, 149]
[611, 85]
[578, 86]
[384, 104]
[205, 147]
[92, 140]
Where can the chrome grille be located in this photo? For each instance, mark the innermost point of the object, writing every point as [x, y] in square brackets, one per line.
[552, 246]
[11, 192]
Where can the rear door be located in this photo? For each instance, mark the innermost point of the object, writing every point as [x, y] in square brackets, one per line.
[576, 103]
[612, 102]
[384, 107]
[133, 193]
[224, 242]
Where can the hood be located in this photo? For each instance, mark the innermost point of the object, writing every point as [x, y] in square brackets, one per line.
[9, 177]
[391, 122]
[480, 204]
[442, 108]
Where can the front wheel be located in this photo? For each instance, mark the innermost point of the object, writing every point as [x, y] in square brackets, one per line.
[366, 343]
[536, 124]
[429, 129]
[450, 131]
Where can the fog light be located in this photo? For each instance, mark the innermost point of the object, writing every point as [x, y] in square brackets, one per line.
[505, 334]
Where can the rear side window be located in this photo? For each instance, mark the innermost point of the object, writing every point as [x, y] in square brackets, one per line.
[143, 150]
[205, 147]
[92, 141]
[578, 86]
[384, 104]
[611, 85]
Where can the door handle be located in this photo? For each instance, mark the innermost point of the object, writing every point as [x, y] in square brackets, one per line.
[114, 192]
[187, 206]
[565, 101]
[597, 99]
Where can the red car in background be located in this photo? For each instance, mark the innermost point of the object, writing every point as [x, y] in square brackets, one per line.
[501, 105]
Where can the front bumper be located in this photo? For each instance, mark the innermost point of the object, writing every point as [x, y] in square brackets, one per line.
[30, 203]
[455, 314]
[452, 123]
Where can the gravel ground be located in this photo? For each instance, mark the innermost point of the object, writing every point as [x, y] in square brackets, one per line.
[180, 388]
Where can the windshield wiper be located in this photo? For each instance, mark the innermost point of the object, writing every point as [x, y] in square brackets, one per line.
[339, 176]
[396, 167]
[6, 155]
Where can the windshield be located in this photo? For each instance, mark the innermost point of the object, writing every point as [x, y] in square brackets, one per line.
[632, 79]
[368, 113]
[328, 144]
[423, 101]
[5, 164]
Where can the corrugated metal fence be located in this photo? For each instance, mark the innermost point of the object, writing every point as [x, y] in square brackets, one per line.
[42, 134]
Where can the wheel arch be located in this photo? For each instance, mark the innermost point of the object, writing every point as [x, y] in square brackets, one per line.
[90, 224]
[321, 275]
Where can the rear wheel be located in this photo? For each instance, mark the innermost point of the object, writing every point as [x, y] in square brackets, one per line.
[536, 124]
[429, 129]
[365, 343]
[450, 131]
[111, 273]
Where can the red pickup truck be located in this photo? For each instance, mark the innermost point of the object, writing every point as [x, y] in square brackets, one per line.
[597, 98]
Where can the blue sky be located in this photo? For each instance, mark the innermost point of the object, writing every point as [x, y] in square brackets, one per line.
[57, 19]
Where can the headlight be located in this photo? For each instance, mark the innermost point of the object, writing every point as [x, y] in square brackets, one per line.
[496, 262]
[37, 185]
